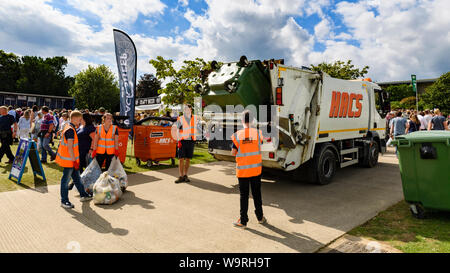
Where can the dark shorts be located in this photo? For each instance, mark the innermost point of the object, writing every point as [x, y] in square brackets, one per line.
[187, 149]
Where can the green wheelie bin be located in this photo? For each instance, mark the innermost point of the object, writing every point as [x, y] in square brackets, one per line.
[424, 161]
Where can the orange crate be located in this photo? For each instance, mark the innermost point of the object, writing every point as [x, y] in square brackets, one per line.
[154, 143]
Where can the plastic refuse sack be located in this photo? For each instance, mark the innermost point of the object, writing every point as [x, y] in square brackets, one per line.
[106, 190]
[116, 170]
[90, 176]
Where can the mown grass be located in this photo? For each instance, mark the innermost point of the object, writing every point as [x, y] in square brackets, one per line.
[397, 227]
[53, 172]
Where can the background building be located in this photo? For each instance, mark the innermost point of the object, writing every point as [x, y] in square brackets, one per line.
[22, 100]
[421, 84]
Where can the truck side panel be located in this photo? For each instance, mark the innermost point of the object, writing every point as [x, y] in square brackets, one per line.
[345, 110]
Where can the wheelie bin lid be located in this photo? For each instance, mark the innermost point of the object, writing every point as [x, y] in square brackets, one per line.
[424, 136]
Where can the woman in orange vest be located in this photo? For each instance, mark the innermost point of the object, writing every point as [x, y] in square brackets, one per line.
[186, 131]
[68, 157]
[106, 141]
[247, 149]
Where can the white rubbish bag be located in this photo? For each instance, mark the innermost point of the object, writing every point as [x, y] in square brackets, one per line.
[90, 176]
[116, 170]
[106, 190]
[389, 143]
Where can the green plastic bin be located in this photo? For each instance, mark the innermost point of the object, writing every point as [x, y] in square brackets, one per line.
[235, 85]
[424, 161]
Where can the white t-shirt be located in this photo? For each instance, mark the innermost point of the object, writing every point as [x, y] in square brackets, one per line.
[424, 122]
[420, 117]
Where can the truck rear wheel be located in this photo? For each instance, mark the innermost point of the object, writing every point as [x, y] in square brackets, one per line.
[324, 167]
[371, 160]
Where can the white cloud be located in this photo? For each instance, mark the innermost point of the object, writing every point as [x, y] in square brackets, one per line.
[322, 30]
[395, 38]
[116, 11]
[183, 3]
[402, 37]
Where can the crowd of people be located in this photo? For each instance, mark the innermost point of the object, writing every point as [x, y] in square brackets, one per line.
[45, 125]
[402, 122]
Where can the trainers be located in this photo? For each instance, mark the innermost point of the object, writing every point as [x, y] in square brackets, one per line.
[263, 220]
[186, 179]
[86, 198]
[67, 205]
[238, 224]
[179, 180]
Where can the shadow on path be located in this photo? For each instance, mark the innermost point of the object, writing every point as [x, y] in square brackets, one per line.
[294, 240]
[94, 221]
[129, 198]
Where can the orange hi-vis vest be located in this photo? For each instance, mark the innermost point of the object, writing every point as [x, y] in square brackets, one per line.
[106, 143]
[248, 157]
[189, 130]
[63, 158]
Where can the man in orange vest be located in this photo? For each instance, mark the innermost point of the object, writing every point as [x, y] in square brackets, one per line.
[247, 149]
[186, 131]
[68, 157]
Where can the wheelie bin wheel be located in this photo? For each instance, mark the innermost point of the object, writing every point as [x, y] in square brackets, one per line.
[138, 161]
[149, 163]
[417, 210]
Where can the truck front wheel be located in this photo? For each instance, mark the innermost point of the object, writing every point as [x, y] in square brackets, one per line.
[325, 165]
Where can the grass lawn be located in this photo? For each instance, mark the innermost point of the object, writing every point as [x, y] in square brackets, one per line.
[53, 172]
[397, 227]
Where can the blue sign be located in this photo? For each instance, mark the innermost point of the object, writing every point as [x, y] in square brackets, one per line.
[27, 149]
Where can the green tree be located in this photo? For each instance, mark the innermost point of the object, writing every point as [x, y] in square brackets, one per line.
[438, 94]
[43, 76]
[399, 92]
[182, 82]
[96, 87]
[341, 70]
[9, 71]
[148, 86]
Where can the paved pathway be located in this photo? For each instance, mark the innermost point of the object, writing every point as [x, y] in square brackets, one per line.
[156, 215]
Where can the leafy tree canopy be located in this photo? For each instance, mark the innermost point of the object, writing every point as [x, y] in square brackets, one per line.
[35, 75]
[148, 86]
[181, 82]
[399, 92]
[341, 70]
[96, 87]
[438, 94]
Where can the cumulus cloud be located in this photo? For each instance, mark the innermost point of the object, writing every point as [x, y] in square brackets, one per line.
[395, 38]
[116, 11]
[398, 38]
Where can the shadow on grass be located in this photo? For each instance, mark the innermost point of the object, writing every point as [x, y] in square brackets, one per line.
[39, 185]
[418, 235]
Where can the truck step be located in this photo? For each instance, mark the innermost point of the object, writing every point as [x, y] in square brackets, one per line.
[349, 151]
[349, 163]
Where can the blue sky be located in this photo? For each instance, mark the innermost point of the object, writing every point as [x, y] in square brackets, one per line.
[383, 34]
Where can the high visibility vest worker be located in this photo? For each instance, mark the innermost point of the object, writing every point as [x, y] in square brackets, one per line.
[248, 158]
[106, 143]
[63, 158]
[189, 130]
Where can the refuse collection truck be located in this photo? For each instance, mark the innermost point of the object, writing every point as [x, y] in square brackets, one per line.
[322, 123]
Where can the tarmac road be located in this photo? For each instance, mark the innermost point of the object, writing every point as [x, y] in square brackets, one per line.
[157, 215]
